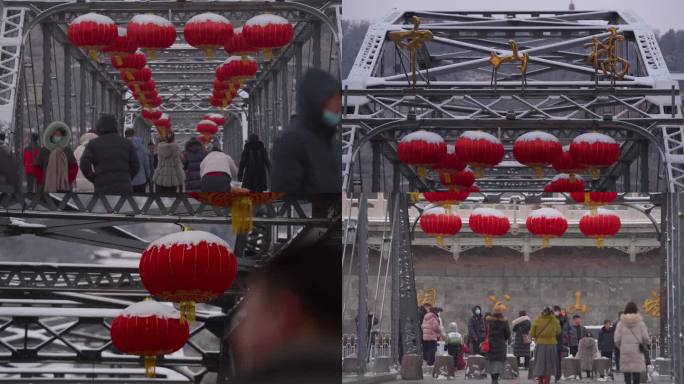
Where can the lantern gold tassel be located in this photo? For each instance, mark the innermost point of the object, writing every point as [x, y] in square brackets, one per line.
[600, 242]
[479, 172]
[488, 241]
[187, 312]
[242, 215]
[546, 242]
[422, 172]
[118, 60]
[210, 53]
[447, 177]
[268, 54]
[538, 172]
[415, 196]
[150, 364]
[153, 54]
[93, 54]
[440, 240]
[595, 173]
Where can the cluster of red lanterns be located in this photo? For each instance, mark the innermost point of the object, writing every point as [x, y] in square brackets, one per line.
[537, 150]
[230, 76]
[547, 223]
[186, 268]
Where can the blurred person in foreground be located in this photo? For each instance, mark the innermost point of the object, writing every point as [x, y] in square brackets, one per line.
[307, 156]
[292, 324]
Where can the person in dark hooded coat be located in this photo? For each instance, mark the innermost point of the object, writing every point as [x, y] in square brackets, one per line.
[193, 155]
[499, 335]
[307, 156]
[110, 161]
[254, 165]
[476, 330]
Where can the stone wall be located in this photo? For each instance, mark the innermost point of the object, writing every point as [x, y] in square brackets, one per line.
[604, 277]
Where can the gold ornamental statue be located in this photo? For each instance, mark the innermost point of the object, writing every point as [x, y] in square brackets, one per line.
[412, 41]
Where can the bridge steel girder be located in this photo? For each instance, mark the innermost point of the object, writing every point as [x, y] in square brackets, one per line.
[452, 89]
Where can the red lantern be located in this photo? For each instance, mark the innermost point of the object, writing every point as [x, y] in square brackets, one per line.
[208, 129]
[488, 222]
[267, 32]
[152, 102]
[217, 118]
[163, 125]
[537, 150]
[137, 77]
[238, 45]
[219, 102]
[547, 223]
[601, 225]
[446, 199]
[121, 47]
[459, 181]
[208, 31]
[143, 96]
[437, 222]
[451, 162]
[563, 183]
[151, 114]
[204, 140]
[566, 164]
[129, 64]
[237, 70]
[421, 149]
[92, 32]
[188, 267]
[149, 329]
[151, 32]
[479, 150]
[595, 150]
[594, 200]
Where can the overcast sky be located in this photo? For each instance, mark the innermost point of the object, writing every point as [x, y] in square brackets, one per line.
[660, 14]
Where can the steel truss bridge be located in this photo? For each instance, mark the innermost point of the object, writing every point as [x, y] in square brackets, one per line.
[563, 95]
[394, 235]
[55, 318]
[44, 78]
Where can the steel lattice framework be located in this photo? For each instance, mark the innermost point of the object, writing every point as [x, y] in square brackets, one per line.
[61, 313]
[76, 89]
[563, 95]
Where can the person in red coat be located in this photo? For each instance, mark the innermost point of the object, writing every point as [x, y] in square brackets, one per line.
[55, 168]
[31, 153]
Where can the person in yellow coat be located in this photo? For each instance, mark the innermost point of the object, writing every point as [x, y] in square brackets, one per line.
[545, 330]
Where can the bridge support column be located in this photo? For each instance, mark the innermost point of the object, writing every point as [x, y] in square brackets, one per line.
[47, 74]
[362, 312]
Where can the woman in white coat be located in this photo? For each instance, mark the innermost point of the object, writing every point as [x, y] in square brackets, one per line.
[82, 184]
[631, 337]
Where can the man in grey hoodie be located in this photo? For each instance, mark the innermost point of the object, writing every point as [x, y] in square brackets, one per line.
[144, 175]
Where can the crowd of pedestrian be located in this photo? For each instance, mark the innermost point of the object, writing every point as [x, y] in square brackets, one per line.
[539, 344]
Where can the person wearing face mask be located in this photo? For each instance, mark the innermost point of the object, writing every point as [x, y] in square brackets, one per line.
[55, 168]
[476, 330]
[306, 156]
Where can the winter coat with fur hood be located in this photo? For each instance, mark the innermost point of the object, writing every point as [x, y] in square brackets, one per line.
[499, 335]
[169, 172]
[630, 332]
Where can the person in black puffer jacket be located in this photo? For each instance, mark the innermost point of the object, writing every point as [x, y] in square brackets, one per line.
[254, 165]
[193, 155]
[110, 161]
[499, 335]
[307, 156]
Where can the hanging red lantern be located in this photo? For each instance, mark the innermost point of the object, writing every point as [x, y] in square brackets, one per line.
[152, 102]
[152, 33]
[92, 32]
[208, 31]
[238, 45]
[446, 199]
[204, 140]
[130, 64]
[595, 150]
[237, 70]
[459, 180]
[149, 329]
[593, 200]
[121, 47]
[438, 223]
[479, 150]
[450, 163]
[562, 183]
[188, 267]
[217, 118]
[488, 222]
[219, 102]
[601, 225]
[143, 96]
[208, 129]
[547, 223]
[267, 32]
[151, 114]
[162, 125]
[137, 77]
[421, 149]
[537, 149]
[566, 164]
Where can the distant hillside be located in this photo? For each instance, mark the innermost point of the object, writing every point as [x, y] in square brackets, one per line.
[672, 46]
